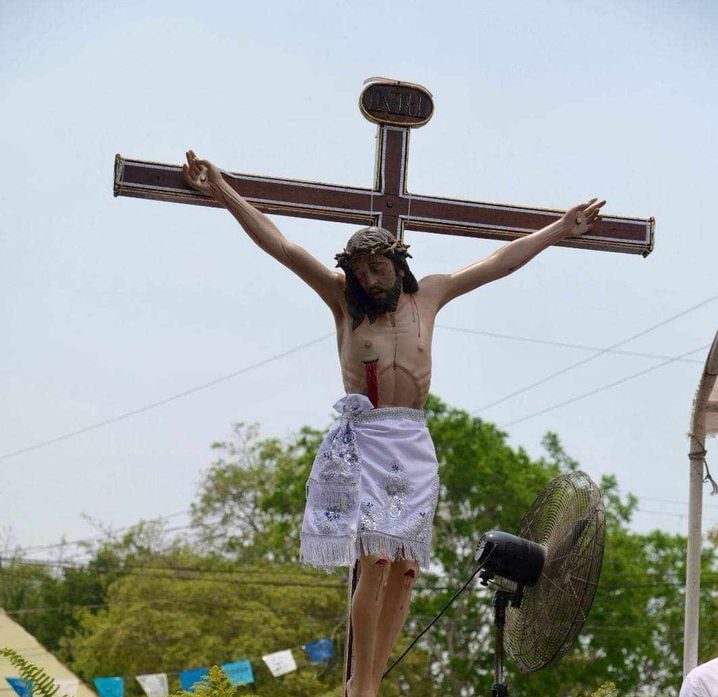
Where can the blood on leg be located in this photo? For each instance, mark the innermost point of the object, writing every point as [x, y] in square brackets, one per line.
[408, 582]
[395, 607]
[383, 565]
[366, 608]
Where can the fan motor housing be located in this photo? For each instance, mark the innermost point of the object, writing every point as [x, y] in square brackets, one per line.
[512, 557]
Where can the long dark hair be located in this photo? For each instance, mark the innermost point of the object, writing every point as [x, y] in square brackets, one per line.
[361, 305]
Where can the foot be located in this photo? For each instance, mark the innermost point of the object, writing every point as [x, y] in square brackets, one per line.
[359, 690]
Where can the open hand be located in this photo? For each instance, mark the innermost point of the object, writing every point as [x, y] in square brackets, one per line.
[582, 218]
[200, 174]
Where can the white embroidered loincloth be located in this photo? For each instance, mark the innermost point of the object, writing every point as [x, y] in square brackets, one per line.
[373, 487]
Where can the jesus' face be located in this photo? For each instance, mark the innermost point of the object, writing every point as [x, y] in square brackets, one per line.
[379, 280]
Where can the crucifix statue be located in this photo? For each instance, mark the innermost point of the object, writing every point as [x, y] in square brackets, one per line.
[374, 486]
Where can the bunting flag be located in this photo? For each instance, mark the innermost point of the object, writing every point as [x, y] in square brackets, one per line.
[154, 684]
[189, 678]
[321, 650]
[110, 686]
[22, 687]
[239, 672]
[280, 662]
[67, 686]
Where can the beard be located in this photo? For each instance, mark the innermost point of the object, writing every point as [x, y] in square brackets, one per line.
[362, 305]
[387, 302]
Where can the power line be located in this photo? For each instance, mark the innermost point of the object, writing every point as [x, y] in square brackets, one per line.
[250, 571]
[230, 581]
[596, 355]
[560, 344]
[674, 501]
[157, 600]
[229, 376]
[108, 535]
[88, 540]
[204, 535]
[674, 515]
[162, 402]
[112, 533]
[603, 388]
[210, 574]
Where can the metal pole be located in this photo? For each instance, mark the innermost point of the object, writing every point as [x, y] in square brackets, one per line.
[501, 600]
[696, 455]
[352, 581]
[693, 566]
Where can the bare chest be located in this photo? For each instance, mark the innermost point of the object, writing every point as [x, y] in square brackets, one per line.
[399, 341]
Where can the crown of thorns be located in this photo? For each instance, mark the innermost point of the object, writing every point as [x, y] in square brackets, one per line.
[372, 240]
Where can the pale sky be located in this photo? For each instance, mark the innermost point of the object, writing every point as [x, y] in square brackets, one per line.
[113, 304]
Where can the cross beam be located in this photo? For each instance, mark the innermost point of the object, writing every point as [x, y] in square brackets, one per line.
[388, 204]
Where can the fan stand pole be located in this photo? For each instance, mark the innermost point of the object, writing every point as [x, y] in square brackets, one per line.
[501, 600]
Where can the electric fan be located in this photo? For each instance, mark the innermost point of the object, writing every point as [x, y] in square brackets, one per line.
[546, 577]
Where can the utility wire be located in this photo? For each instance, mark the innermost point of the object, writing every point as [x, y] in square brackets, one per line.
[234, 577]
[229, 376]
[250, 571]
[110, 535]
[584, 361]
[560, 344]
[674, 501]
[603, 388]
[166, 400]
[612, 575]
[164, 602]
[673, 514]
[107, 536]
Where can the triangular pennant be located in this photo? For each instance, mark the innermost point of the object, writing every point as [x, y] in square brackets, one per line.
[239, 672]
[154, 684]
[280, 662]
[22, 687]
[320, 650]
[67, 687]
[189, 678]
[110, 686]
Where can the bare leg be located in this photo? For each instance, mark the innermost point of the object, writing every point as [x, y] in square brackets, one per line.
[395, 608]
[366, 607]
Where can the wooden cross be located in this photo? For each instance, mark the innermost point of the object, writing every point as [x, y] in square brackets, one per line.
[396, 107]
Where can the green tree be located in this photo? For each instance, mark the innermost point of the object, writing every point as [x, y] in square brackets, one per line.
[169, 606]
[634, 631]
[168, 615]
[252, 497]
[45, 598]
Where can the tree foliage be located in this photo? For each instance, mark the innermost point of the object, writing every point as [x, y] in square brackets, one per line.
[173, 614]
[232, 588]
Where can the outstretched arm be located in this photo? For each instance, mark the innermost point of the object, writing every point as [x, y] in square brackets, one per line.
[515, 254]
[203, 176]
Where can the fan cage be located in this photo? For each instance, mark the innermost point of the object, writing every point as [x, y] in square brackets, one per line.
[568, 519]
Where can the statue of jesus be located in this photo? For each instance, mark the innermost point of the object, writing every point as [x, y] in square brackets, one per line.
[373, 487]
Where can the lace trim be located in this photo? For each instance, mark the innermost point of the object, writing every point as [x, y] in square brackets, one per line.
[326, 552]
[386, 413]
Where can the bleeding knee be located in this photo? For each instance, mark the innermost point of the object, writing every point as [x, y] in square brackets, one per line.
[375, 566]
[410, 577]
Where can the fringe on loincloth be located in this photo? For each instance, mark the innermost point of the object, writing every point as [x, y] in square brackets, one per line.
[326, 552]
